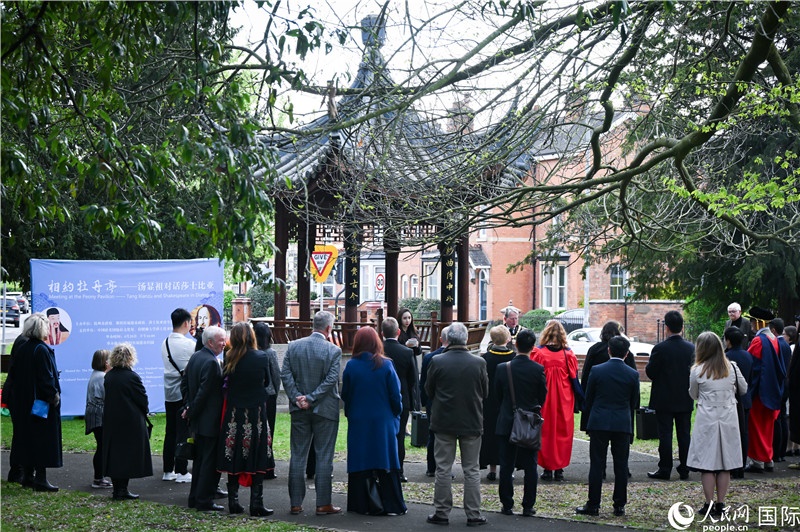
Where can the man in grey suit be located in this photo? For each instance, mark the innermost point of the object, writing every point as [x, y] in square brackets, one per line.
[201, 387]
[457, 383]
[310, 377]
[611, 395]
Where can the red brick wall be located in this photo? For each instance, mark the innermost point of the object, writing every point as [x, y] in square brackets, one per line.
[642, 316]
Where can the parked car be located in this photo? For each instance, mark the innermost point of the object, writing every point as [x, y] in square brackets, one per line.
[582, 339]
[22, 301]
[572, 319]
[10, 310]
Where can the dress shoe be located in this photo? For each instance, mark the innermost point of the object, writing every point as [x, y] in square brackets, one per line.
[659, 475]
[558, 475]
[210, 508]
[270, 475]
[403, 478]
[547, 475]
[704, 510]
[220, 494]
[44, 486]
[296, 510]
[752, 468]
[769, 467]
[619, 511]
[430, 473]
[436, 520]
[737, 473]
[491, 476]
[587, 510]
[126, 495]
[718, 509]
[477, 521]
[528, 512]
[684, 475]
[506, 511]
[328, 509]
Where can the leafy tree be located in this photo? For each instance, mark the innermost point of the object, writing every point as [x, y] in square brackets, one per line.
[262, 298]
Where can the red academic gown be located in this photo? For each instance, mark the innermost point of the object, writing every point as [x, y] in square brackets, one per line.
[559, 420]
[761, 422]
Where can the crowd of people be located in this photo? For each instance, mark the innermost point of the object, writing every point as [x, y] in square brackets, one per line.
[221, 402]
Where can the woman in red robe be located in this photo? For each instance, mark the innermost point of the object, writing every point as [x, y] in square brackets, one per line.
[560, 365]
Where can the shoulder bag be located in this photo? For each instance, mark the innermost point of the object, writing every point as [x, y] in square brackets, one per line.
[577, 390]
[526, 429]
[169, 356]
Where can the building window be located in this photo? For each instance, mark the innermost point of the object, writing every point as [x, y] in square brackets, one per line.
[404, 286]
[554, 287]
[431, 281]
[619, 281]
[414, 286]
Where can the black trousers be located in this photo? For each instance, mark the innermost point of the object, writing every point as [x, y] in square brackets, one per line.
[205, 477]
[401, 439]
[97, 459]
[429, 456]
[511, 456]
[780, 434]
[683, 428]
[598, 451]
[175, 432]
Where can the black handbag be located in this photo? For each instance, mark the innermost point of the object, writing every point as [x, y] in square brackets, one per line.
[526, 429]
[185, 450]
[374, 501]
[577, 389]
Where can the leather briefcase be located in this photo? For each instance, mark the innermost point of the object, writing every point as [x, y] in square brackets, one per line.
[419, 429]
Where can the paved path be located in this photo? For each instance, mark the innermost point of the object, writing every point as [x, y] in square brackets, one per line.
[76, 475]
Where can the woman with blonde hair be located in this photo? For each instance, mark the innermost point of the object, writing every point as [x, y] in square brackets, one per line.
[126, 438]
[245, 453]
[37, 440]
[715, 448]
[560, 366]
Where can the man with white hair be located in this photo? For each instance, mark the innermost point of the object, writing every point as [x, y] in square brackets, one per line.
[511, 321]
[310, 377]
[457, 383]
[201, 388]
[735, 319]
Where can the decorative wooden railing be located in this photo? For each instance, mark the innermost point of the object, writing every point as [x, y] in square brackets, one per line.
[428, 331]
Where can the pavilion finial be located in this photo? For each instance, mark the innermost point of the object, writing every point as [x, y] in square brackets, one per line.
[373, 28]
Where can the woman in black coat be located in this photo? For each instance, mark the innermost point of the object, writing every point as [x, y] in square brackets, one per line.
[37, 440]
[245, 439]
[496, 353]
[126, 439]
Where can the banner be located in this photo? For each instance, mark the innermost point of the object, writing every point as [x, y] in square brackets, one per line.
[95, 305]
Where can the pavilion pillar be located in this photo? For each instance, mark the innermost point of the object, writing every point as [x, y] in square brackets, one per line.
[305, 244]
[279, 272]
[463, 279]
[352, 273]
[448, 265]
[391, 246]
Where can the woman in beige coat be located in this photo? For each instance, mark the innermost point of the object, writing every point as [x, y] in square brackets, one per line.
[715, 448]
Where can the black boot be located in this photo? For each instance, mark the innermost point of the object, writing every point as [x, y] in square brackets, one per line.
[257, 508]
[233, 495]
[27, 477]
[121, 492]
[40, 481]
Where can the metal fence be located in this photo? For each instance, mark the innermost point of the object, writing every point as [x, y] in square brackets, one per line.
[690, 330]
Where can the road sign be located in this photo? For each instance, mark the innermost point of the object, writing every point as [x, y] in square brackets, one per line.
[322, 260]
[380, 282]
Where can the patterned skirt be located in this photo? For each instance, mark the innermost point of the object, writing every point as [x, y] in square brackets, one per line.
[245, 444]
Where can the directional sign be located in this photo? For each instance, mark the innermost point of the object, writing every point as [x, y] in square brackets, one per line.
[380, 282]
[322, 260]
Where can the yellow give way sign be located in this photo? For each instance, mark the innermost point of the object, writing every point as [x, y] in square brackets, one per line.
[322, 260]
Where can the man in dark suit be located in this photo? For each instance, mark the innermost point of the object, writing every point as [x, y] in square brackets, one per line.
[530, 390]
[611, 394]
[403, 359]
[201, 388]
[310, 377]
[426, 360]
[668, 369]
[735, 319]
[457, 384]
[734, 350]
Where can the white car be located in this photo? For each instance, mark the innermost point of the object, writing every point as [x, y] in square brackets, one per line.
[582, 339]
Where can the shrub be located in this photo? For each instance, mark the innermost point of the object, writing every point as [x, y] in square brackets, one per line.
[411, 303]
[535, 319]
[261, 298]
[227, 300]
[426, 306]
